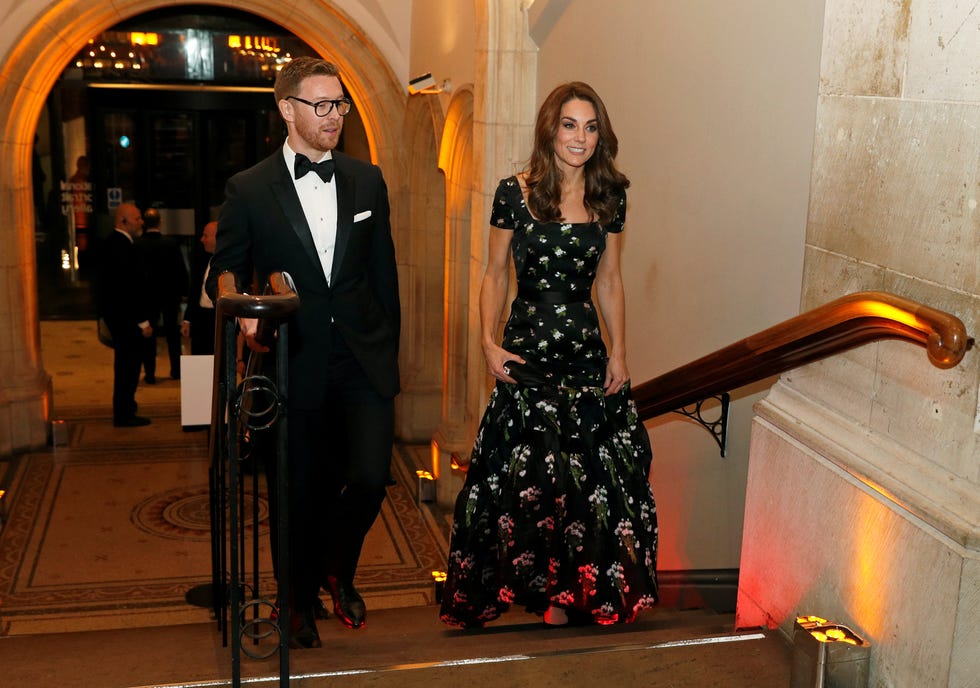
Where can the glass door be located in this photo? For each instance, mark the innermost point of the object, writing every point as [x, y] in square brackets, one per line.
[173, 181]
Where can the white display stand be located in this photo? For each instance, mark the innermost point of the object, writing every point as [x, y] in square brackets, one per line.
[196, 383]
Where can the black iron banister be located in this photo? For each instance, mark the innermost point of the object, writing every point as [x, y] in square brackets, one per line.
[231, 409]
[233, 303]
[842, 324]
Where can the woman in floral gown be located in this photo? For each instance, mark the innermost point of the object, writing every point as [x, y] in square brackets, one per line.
[556, 514]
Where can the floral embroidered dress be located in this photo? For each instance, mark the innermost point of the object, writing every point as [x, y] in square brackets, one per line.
[557, 507]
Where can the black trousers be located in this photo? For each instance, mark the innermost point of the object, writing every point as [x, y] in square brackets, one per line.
[128, 345]
[202, 333]
[339, 462]
[168, 328]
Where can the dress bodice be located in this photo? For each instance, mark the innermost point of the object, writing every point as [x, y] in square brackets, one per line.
[553, 322]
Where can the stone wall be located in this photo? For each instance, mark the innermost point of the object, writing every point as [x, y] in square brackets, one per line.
[862, 502]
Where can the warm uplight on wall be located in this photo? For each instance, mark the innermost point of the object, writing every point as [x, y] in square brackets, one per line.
[826, 632]
[834, 635]
[426, 487]
[827, 654]
[439, 584]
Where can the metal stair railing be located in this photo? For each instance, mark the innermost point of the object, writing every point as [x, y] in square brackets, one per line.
[244, 407]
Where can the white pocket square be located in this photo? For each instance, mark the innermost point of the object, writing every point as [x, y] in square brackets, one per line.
[363, 215]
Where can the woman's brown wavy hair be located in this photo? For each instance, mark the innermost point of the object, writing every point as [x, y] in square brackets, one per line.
[604, 184]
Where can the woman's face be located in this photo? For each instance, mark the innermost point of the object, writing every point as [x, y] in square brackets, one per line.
[578, 134]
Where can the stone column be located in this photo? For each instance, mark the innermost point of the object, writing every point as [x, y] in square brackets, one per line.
[503, 119]
[25, 389]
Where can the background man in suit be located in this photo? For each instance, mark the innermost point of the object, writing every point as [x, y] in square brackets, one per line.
[198, 323]
[166, 276]
[122, 302]
[328, 227]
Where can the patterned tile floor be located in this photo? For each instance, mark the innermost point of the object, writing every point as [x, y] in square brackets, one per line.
[113, 529]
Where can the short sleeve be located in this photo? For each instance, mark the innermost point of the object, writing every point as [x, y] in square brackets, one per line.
[616, 226]
[502, 213]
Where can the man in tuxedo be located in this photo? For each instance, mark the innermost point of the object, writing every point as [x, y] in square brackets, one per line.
[167, 280]
[328, 226]
[121, 299]
[198, 325]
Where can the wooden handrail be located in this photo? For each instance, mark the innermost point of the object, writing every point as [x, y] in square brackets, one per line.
[842, 324]
[281, 302]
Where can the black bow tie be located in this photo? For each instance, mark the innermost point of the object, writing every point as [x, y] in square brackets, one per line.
[324, 168]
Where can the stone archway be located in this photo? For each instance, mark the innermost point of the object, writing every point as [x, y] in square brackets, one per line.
[35, 59]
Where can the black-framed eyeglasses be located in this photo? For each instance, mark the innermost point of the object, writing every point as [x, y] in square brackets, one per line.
[322, 108]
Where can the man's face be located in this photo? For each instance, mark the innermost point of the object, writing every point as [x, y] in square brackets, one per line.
[308, 134]
[133, 221]
[208, 236]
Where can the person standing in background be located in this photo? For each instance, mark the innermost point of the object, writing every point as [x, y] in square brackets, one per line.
[121, 300]
[166, 276]
[198, 325]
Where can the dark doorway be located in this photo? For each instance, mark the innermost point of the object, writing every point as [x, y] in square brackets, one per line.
[141, 117]
[174, 149]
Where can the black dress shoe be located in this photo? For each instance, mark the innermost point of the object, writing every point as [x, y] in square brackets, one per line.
[130, 422]
[150, 380]
[347, 603]
[302, 631]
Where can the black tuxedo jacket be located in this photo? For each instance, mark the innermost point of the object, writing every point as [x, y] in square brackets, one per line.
[262, 229]
[165, 270]
[120, 287]
[200, 318]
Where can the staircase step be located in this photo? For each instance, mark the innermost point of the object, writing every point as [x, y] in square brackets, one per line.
[409, 647]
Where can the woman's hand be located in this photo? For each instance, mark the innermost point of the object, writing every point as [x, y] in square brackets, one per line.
[617, 375]
[497, 360]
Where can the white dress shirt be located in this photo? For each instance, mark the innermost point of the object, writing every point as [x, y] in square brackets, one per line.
[319, 201]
